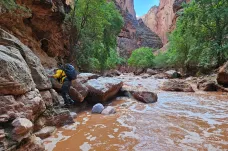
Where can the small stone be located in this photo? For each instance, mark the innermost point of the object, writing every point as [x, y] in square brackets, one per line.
[97, 108]
[22, 126]
[109, 110]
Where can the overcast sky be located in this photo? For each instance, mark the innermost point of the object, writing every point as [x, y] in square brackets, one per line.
[142, 6]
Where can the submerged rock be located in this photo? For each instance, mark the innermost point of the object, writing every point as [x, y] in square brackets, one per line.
[176, 85]
[101, 89]
[109, 110]
[207, 85]
[45, 132]
[97, 108]
[222, 77]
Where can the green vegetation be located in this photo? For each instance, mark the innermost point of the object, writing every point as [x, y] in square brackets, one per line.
[200, 39]
[8, 4]
[93, 26]
[161, 60]
[11, 5]
[141, 58]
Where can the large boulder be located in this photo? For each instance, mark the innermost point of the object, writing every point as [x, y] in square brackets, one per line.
[22, 129]
[11, 45]
[84, 77]
[22, 126]
[45, 132]
[29, 105]
[146, 97]
[176, 85]
[15, 77]
[78, 91]
[222, 77]
[57, 117]
[139, 93]
[101, 89]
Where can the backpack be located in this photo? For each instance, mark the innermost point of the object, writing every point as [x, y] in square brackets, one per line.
[70, 71]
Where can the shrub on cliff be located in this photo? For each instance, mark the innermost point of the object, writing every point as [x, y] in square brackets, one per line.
[141, 58]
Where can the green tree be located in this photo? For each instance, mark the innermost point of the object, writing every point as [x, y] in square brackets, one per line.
[93, 27]
[141, 58]
[200, 39]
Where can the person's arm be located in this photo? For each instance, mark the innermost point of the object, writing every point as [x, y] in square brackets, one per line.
[56, 75]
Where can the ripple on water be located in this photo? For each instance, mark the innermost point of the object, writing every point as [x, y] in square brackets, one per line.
[178, 121]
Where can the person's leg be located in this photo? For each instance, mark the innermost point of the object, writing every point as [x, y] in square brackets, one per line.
[65, 90]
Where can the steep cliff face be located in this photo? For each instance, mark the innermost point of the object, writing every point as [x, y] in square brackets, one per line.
[134, 34]
[40, 29]
[128, 6]
[162, 19]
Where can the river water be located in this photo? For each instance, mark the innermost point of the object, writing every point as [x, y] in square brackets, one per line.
[178, 121]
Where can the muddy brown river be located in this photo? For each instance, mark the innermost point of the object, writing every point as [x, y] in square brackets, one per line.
[178, 121]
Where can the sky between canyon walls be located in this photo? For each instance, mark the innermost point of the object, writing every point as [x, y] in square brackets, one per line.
[143, 6]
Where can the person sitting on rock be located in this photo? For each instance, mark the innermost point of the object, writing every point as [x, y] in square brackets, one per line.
[60, 75]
